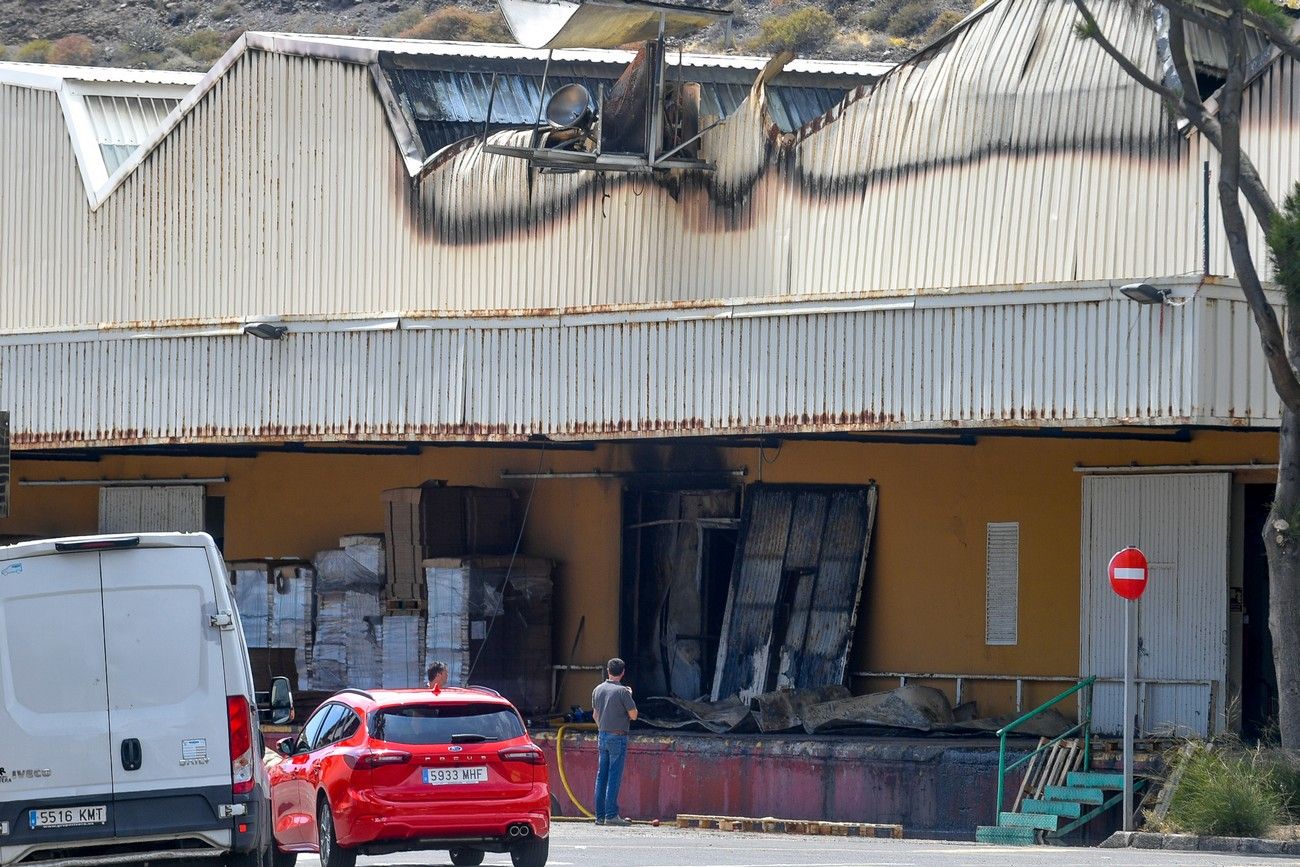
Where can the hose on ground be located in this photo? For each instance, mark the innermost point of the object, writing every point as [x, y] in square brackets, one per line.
[559, 764]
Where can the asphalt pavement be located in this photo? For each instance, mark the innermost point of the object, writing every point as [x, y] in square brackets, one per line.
[583, 845]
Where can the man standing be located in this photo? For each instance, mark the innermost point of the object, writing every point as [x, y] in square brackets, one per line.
[613, 708]
[437, 676]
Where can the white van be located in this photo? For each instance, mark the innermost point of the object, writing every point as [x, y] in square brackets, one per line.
[129, 729]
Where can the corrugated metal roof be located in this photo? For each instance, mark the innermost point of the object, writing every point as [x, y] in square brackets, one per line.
[1077, 357]
[49, 76]
[367, 48]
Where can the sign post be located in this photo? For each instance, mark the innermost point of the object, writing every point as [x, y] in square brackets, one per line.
[1128, 578]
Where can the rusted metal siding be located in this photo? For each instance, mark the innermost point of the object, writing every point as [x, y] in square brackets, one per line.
[975, 361]
[1012, 153]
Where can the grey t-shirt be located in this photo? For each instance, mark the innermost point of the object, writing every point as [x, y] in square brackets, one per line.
[611, 701]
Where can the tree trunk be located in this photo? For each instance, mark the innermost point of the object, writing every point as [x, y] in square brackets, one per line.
[1282, 542]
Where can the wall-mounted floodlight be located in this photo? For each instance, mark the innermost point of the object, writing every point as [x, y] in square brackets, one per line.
[1145, 293]
[265, 330]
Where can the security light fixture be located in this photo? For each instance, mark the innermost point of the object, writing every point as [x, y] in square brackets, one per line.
[570, 107]
[265, 330]
[1145, 293]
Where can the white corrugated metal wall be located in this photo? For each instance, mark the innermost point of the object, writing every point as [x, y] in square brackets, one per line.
[1180, 521]
[282, 193]
[1088, 362]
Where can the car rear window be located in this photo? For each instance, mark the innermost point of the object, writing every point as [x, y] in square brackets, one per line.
[446, 723]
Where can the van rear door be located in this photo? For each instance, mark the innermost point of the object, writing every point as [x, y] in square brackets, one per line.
[56, 783]
[168, 719]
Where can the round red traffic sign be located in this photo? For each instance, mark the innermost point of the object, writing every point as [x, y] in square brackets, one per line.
[1128, 573]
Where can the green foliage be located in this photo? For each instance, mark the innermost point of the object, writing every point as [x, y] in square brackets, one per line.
[73, 50]
[204, 46]
[225, 10]
[947, 20]
[877, 17]
[1084, 30]
[910, 18]
[1284, 245]
[401, 22]
[36, 51]
[1271, 12]
[182, 14]
[1283, 768]
[459, 25]
[1225, 794]
[803, 30]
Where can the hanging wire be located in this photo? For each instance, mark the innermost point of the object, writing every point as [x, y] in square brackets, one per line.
[523, 523]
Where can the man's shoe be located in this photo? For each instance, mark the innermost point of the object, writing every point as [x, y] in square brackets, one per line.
[617, 820]
[600, 821]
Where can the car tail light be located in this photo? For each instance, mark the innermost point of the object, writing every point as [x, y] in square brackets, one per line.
[241, 744]
[528, 755]
[364, 761]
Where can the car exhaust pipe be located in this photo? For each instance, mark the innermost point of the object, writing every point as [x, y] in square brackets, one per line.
[520, 830]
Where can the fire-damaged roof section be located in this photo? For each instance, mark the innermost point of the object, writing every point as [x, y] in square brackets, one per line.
[447, 98]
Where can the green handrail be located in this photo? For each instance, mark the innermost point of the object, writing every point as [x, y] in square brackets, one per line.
[1084, 725]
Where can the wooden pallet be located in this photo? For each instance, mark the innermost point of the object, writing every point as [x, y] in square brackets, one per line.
[789, 826]
[405, 606]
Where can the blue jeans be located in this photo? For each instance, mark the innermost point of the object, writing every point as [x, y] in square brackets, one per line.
[609, 774]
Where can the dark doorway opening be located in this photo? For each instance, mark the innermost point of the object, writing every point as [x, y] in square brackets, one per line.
[1258, 675]
[678, 551]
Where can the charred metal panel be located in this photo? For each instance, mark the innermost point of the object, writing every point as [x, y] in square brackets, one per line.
[795, 588]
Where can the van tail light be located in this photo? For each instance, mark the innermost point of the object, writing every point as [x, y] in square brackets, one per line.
[366, 760]
[241, 744]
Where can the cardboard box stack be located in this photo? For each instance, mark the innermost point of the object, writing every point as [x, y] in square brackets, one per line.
[490, 621]
[437, 520]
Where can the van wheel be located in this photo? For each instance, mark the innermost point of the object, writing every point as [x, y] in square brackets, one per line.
[282, 859]
[533, 852]
[466, 857]
[331, 853]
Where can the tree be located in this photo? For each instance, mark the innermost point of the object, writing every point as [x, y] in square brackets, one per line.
[1238, 178]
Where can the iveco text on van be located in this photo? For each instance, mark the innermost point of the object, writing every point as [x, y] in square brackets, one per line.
[128, 729]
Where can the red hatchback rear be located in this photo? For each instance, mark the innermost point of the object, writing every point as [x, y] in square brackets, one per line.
[402, 770]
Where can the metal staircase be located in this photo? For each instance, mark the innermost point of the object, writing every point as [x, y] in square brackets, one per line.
[1062, 809]
[1043, 808]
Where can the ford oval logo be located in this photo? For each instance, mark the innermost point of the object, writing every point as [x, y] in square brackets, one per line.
[455, 749]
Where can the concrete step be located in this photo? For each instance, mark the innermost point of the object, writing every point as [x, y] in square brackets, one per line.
[1042, 821]
[1068, 809]
[1095, 780]
[1006, 836]
[1079, 794]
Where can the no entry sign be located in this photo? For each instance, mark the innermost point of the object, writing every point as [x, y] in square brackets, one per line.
[1128, 573]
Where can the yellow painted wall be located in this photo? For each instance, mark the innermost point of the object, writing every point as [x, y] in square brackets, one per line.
[923, 609]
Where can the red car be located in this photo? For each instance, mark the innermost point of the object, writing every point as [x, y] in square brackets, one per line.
[407, 770]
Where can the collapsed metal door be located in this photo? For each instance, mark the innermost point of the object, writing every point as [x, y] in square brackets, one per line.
[1181, 522]
[795, 588]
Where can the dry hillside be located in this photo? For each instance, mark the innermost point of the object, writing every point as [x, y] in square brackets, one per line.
[186, 34]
